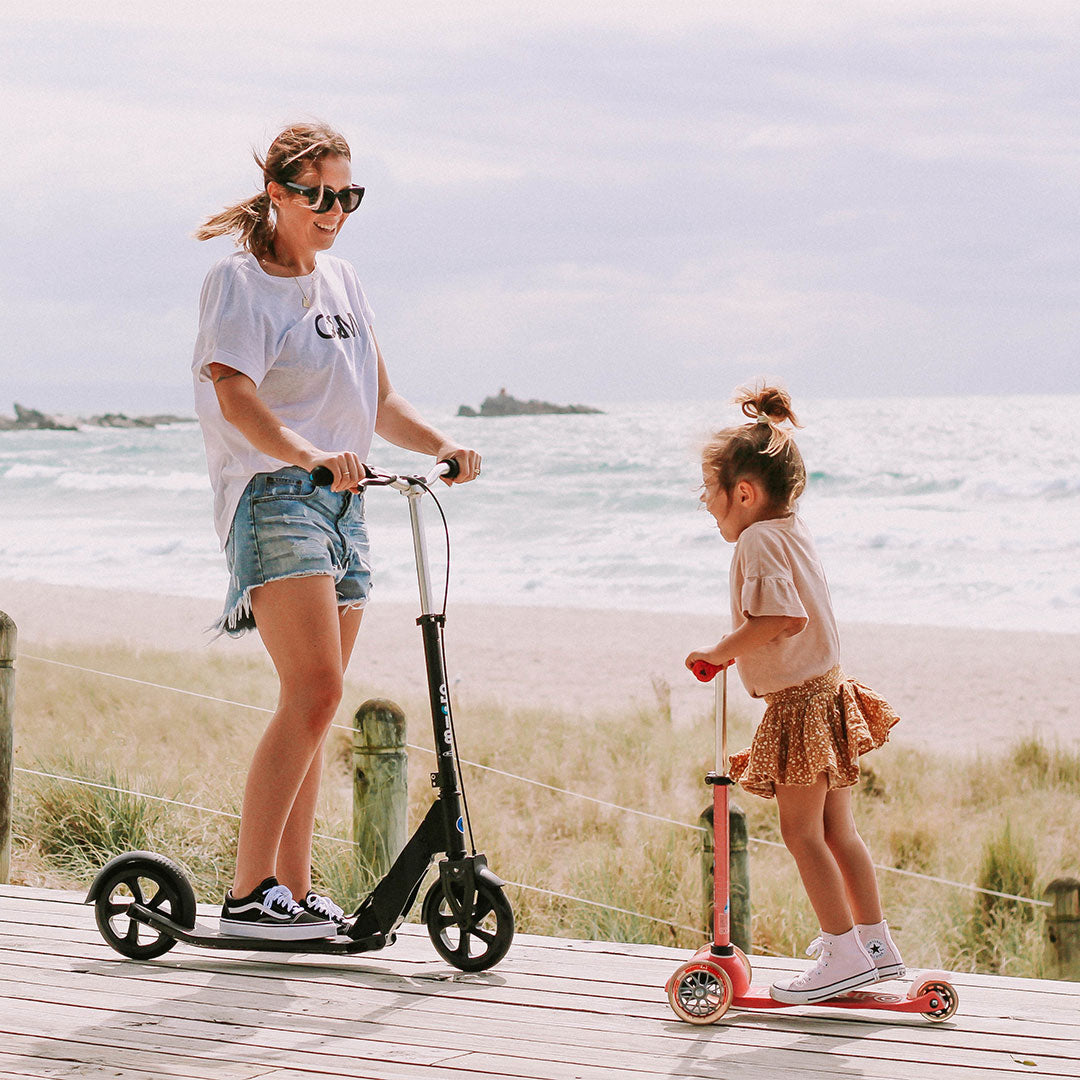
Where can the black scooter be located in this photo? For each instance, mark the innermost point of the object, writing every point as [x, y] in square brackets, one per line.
[144, 904]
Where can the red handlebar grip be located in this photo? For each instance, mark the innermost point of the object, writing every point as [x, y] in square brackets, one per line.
[704, 671]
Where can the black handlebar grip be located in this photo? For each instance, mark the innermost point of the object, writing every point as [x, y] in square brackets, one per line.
[321, 476]
[453, 467]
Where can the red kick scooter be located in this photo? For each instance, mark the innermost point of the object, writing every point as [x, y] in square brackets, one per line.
[718, 975]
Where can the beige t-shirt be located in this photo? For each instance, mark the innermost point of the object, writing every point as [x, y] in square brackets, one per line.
[776, 571]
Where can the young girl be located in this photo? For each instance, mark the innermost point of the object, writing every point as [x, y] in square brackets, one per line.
[806, 749]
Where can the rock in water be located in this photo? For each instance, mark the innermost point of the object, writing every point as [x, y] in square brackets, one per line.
[504, 404]
[39, 421]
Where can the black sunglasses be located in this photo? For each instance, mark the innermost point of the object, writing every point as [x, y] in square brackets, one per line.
[349, 197]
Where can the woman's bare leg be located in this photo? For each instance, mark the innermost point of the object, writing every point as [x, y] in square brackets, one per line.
[802, 826]
[294, 851]
[298, 621]
[852, 857]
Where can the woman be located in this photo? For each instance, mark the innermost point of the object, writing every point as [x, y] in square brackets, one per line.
[288, 377]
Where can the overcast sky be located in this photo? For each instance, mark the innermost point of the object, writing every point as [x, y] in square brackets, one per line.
[591, 201]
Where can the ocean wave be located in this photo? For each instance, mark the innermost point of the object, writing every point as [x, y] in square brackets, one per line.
[890, 485]
[173, 481]
[880, 485]
[20, 471]
[67, 479]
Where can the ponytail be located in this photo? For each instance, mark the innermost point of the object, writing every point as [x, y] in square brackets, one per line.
[249, 221]
[761, 450]
[768, 405]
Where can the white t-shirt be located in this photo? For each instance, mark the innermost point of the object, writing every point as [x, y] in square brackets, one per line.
[315, 368]
[776, 571]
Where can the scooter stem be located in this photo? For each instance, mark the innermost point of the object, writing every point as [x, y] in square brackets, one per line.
[720, 690]
[721, 839]
[423, 578]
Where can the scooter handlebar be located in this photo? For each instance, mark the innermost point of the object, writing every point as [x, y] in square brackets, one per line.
[448, 467]
[321, 476]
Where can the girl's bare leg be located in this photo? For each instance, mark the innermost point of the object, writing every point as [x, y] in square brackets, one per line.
[294, 852]
[298, 622]
[802, 826]
[852, 858]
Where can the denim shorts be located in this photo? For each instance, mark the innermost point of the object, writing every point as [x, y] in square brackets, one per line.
[284, 527]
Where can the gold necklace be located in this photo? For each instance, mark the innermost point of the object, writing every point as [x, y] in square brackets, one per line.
[305, 299]
[303, 295]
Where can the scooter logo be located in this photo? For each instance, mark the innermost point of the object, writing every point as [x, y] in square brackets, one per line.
[444, 706]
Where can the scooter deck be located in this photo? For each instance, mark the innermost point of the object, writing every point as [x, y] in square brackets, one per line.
[758, 997]
[215, 939]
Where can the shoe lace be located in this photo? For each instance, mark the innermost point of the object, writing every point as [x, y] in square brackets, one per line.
[324, 906]
[280, 896]
[816, 951]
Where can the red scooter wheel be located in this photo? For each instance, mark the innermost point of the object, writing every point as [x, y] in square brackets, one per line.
[945, 993]
[700, 992]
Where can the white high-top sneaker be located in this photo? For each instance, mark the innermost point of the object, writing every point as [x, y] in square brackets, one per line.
[879, 944]
[842, 964]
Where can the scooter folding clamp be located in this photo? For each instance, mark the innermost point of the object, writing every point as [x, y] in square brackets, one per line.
[716, 778]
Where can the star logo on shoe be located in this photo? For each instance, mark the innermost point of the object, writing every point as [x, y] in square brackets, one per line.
[875, 948]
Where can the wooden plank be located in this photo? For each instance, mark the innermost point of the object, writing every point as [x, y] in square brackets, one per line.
[59, 1057]
[334, 1058]
[524, 1022]
[481, 992]
[360, 1004]
[60, 1060]
[413, 947]
[517, 1031]
[553, 1009]
[232, 1058]
[551, 993]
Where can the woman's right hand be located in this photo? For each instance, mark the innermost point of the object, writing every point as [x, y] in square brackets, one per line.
[346, 466]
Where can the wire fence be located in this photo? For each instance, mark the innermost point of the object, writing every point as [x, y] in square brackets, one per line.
[490, 769]
[337, 839]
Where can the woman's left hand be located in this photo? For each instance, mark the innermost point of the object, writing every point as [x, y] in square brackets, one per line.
[468, 462]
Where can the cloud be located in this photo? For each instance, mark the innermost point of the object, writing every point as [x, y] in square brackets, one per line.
[604, 199]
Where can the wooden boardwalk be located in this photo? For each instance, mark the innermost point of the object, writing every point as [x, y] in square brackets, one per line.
[552, 1010]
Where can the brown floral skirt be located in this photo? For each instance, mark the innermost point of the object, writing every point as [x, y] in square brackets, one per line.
[820, 726]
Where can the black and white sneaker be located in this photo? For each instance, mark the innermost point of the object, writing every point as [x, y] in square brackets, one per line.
[325, 908]
[271, 912]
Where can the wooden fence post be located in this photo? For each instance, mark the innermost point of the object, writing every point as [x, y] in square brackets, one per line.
[739, 874]
[1063, 928]
[380, 785]
[8, 635]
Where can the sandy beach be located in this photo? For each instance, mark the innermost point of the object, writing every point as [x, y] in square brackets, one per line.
[956, 689]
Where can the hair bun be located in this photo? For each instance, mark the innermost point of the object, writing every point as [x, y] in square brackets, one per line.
[766, 404]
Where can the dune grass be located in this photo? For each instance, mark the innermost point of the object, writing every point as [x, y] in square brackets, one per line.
[1006, 823]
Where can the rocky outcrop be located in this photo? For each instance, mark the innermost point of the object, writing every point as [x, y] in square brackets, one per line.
[504, 404]
[34, 420]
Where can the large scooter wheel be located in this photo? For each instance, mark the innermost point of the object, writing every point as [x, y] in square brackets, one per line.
[483, 935]
[700, 992]
[141, 877]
